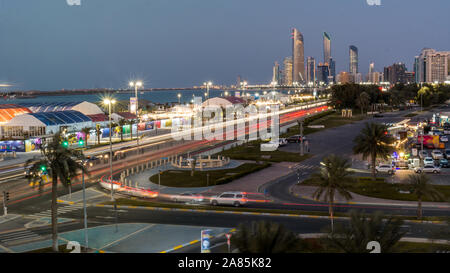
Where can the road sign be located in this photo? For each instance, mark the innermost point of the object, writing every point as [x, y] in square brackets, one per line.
[205, 240]
[228, 235]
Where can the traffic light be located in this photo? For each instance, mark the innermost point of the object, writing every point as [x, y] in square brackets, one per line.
[43, 168]
[6, 196]
[65, 144]
[81, 142]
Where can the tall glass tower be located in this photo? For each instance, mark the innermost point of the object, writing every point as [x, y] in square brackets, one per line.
[326, 48]
[298, 57]
[353, 60]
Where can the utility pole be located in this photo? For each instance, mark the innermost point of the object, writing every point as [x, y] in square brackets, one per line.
[301, 138]
[5, 202]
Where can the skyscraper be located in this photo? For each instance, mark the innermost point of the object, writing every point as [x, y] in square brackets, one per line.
[353, 60]
[323, 71]
[298, 57]
[433, 66]
[395, 73]
[276, 73]
[326, 48]
[311, 71]
[287, 76]
[332, 66]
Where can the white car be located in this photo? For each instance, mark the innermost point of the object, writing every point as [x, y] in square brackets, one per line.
[423, 154]
[188, 198]
[444, 139]
[436, 154]
[428, 161]
[230, 198]
[385, 168]
[428, 169]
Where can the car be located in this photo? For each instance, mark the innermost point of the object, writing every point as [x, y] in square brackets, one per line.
[437, 154]
[443, 163]
[378, 115]
[423, 154]
[282, 142]
[385, 168]
[444, 139]
[295, 139]
[428, 169]
[188, 198]
[447, 154]
[428, 161]
[236, 199]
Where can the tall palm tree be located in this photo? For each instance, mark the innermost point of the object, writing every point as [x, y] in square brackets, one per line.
[332, 178]
[131, 122]
[354, 237]
[265, 237]
[373, 141]
[62, 164]
[422, 188]
[122, 123]
[86, 131]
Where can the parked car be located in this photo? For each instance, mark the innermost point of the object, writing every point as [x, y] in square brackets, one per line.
[188, 198]
[282, 142]
[378, 115]
[443, 163]
[444, 139]
[385, 168]
[447, 154]
[428, 169]
[428, 161]
[437, 154]
[230, 198]
[295, 139]
[423, 154]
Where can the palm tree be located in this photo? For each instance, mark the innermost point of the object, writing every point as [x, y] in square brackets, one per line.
[98, 132]
[193, 163]
[331, 178]
[62, 164]
[265, 237]
[86, 131]
[422, 188]
[363, 101]
[131, 122]
[122, 123]
[373, 141]
[362, 230]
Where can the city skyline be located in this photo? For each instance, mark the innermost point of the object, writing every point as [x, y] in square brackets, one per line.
[77, 55]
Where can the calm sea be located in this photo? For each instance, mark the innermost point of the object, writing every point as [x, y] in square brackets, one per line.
[153, 96]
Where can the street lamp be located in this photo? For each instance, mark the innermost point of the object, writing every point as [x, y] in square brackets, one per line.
[179, 98]
[110, 102]
[136, 85]
[208, 85]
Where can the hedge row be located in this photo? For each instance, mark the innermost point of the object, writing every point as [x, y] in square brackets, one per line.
[228, 179]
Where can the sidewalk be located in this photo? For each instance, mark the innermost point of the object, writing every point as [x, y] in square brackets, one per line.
[306, 192]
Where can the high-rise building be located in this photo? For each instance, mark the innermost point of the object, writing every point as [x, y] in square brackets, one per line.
[276, 74]
[395, 73]
[323, 71]
[326, 48]
[433, 66]
[311, 71]
[298, 57]
[238, 81]
[344, 77]
[287, 71]
[371, 67]
[332, 65]
[353, 60]
[410, 77]
[416, 69]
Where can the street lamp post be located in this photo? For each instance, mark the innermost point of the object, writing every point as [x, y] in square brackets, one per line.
[86, 240]
[179, 98]
[136, 85]
[109, 102]
[208, 85]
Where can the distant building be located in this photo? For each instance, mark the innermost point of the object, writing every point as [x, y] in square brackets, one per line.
[298, 57]
[276, 73]
[287, 71]
[353, 65]
[323, 71]
[433, 66]
[345, 77]
[395, 73]
[311, 71]
[332, 65]
[326, 48]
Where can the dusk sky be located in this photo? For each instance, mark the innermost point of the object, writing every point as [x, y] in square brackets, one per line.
[49, 45]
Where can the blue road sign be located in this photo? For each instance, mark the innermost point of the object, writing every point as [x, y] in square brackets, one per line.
[205, 241]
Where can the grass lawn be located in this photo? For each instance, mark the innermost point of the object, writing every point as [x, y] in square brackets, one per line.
[252, 151]
[380, 189]
[329, 121]
[183, 178]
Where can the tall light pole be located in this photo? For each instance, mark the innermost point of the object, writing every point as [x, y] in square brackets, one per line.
[179, 98]
[136, 85]
[109, 102]
[86, 240]
[208, 85]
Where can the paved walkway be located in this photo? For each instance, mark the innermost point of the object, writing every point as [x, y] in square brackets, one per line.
[307, 191]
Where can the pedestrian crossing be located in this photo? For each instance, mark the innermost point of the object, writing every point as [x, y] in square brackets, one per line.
[304, 167]
[61, 210]
[7, 238]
